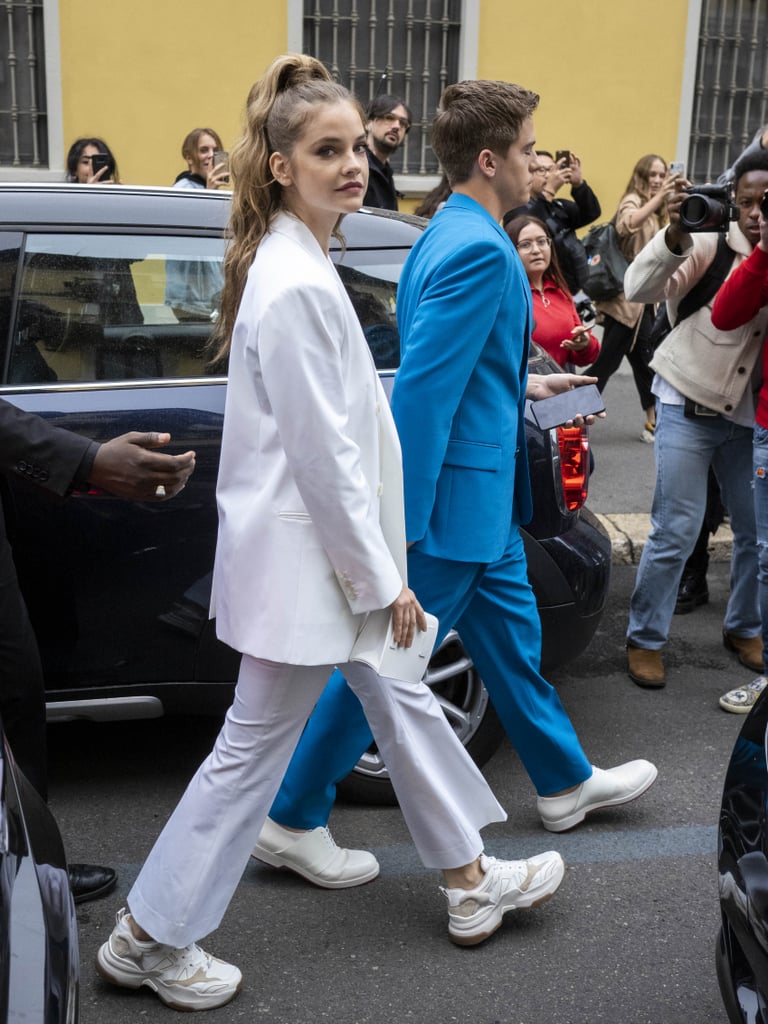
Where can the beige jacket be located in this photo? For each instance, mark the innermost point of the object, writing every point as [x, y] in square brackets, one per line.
[712, 367]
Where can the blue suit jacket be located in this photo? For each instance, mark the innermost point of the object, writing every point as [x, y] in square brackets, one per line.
[464, 311]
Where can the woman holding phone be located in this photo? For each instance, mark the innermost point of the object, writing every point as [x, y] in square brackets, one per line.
[641, 212]
[557, 325]
[90, 162]
[311, 538]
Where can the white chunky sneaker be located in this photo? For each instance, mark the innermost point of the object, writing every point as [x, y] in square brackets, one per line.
[186, 979]
[475, 914]
[315, 856]
[741, 700]
[607, 788]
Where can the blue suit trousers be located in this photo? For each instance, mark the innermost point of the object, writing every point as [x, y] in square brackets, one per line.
[494, 610]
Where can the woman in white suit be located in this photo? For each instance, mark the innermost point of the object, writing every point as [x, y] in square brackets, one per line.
[311, 538]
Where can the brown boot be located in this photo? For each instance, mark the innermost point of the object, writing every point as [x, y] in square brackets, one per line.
[748, 649]
[646, 667]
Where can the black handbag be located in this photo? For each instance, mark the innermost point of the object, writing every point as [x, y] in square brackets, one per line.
[606, 262]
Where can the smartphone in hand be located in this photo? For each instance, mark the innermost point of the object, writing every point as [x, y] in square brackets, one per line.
[585, 400]
[99, 160]
[221, 158]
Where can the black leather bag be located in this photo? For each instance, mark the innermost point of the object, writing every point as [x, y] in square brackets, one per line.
[606, 262]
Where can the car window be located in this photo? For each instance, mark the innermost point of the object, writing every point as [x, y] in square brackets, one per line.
[370, 277]
[114, 308]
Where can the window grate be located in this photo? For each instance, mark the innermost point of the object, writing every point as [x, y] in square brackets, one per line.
[731, 91]
[23, 128]
[406, 47]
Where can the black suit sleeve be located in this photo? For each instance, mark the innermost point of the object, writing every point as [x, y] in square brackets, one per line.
[586, 203]
[44, 455]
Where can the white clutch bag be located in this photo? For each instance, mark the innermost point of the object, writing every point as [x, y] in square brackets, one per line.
[375, 647]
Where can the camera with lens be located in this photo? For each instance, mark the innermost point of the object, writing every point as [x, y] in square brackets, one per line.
[764, 206]
[708, 208]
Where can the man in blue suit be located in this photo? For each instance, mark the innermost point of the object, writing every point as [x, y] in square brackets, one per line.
[464, 311]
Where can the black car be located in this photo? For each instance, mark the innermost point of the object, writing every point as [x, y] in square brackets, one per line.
[39, 963]
[108, 296]
[742, 943]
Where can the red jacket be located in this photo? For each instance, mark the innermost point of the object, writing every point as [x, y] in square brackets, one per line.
[555, 317]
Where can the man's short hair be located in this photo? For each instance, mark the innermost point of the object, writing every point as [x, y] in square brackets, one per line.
[380, 106]
[476, 115]
[757, 161]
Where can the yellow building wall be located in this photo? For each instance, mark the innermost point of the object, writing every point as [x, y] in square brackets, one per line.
[142, 75]
[609, 75]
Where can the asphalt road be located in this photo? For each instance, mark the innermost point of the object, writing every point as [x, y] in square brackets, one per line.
[628, 937]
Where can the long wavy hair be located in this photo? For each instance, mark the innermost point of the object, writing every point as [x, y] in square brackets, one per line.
[553, 272]
[279, 107]
[640, 183]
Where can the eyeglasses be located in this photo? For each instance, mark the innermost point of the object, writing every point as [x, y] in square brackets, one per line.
[540, 243]
[540, 170]
[404, 123]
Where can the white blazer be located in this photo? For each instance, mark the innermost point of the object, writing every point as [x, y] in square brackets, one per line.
[310, 465]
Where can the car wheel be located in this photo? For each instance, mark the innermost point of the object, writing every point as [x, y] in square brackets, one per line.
[459, 689]
[738, 986]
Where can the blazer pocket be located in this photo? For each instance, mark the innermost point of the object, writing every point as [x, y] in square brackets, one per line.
[473, 455]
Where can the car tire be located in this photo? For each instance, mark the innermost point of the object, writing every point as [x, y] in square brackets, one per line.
[459, 689]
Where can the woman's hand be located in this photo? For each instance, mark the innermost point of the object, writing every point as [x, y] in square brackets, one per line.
[217, 176]
[407, 614]
[578, 340]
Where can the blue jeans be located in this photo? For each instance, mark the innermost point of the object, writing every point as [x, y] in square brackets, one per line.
[684, 450]
[760, 460]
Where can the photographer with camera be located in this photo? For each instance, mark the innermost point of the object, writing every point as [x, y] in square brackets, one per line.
[562, 216]
[703, 384]
[739, 300]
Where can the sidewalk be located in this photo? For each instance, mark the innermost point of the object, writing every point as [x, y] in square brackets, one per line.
[628, 533]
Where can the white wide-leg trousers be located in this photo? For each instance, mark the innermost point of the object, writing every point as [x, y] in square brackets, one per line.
[188, 880]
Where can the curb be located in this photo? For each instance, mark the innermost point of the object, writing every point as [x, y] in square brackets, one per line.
[628, 533]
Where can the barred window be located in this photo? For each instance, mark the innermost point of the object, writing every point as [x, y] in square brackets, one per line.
[23, 122]
[731, 91]
[406, 47]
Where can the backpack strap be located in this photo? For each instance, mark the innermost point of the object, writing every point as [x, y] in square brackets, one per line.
[707, 286]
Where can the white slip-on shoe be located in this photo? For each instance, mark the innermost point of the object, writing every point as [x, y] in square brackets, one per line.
[741, 700]
[607, 788]
[315, 856]
[475, 914]
[185, 979]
